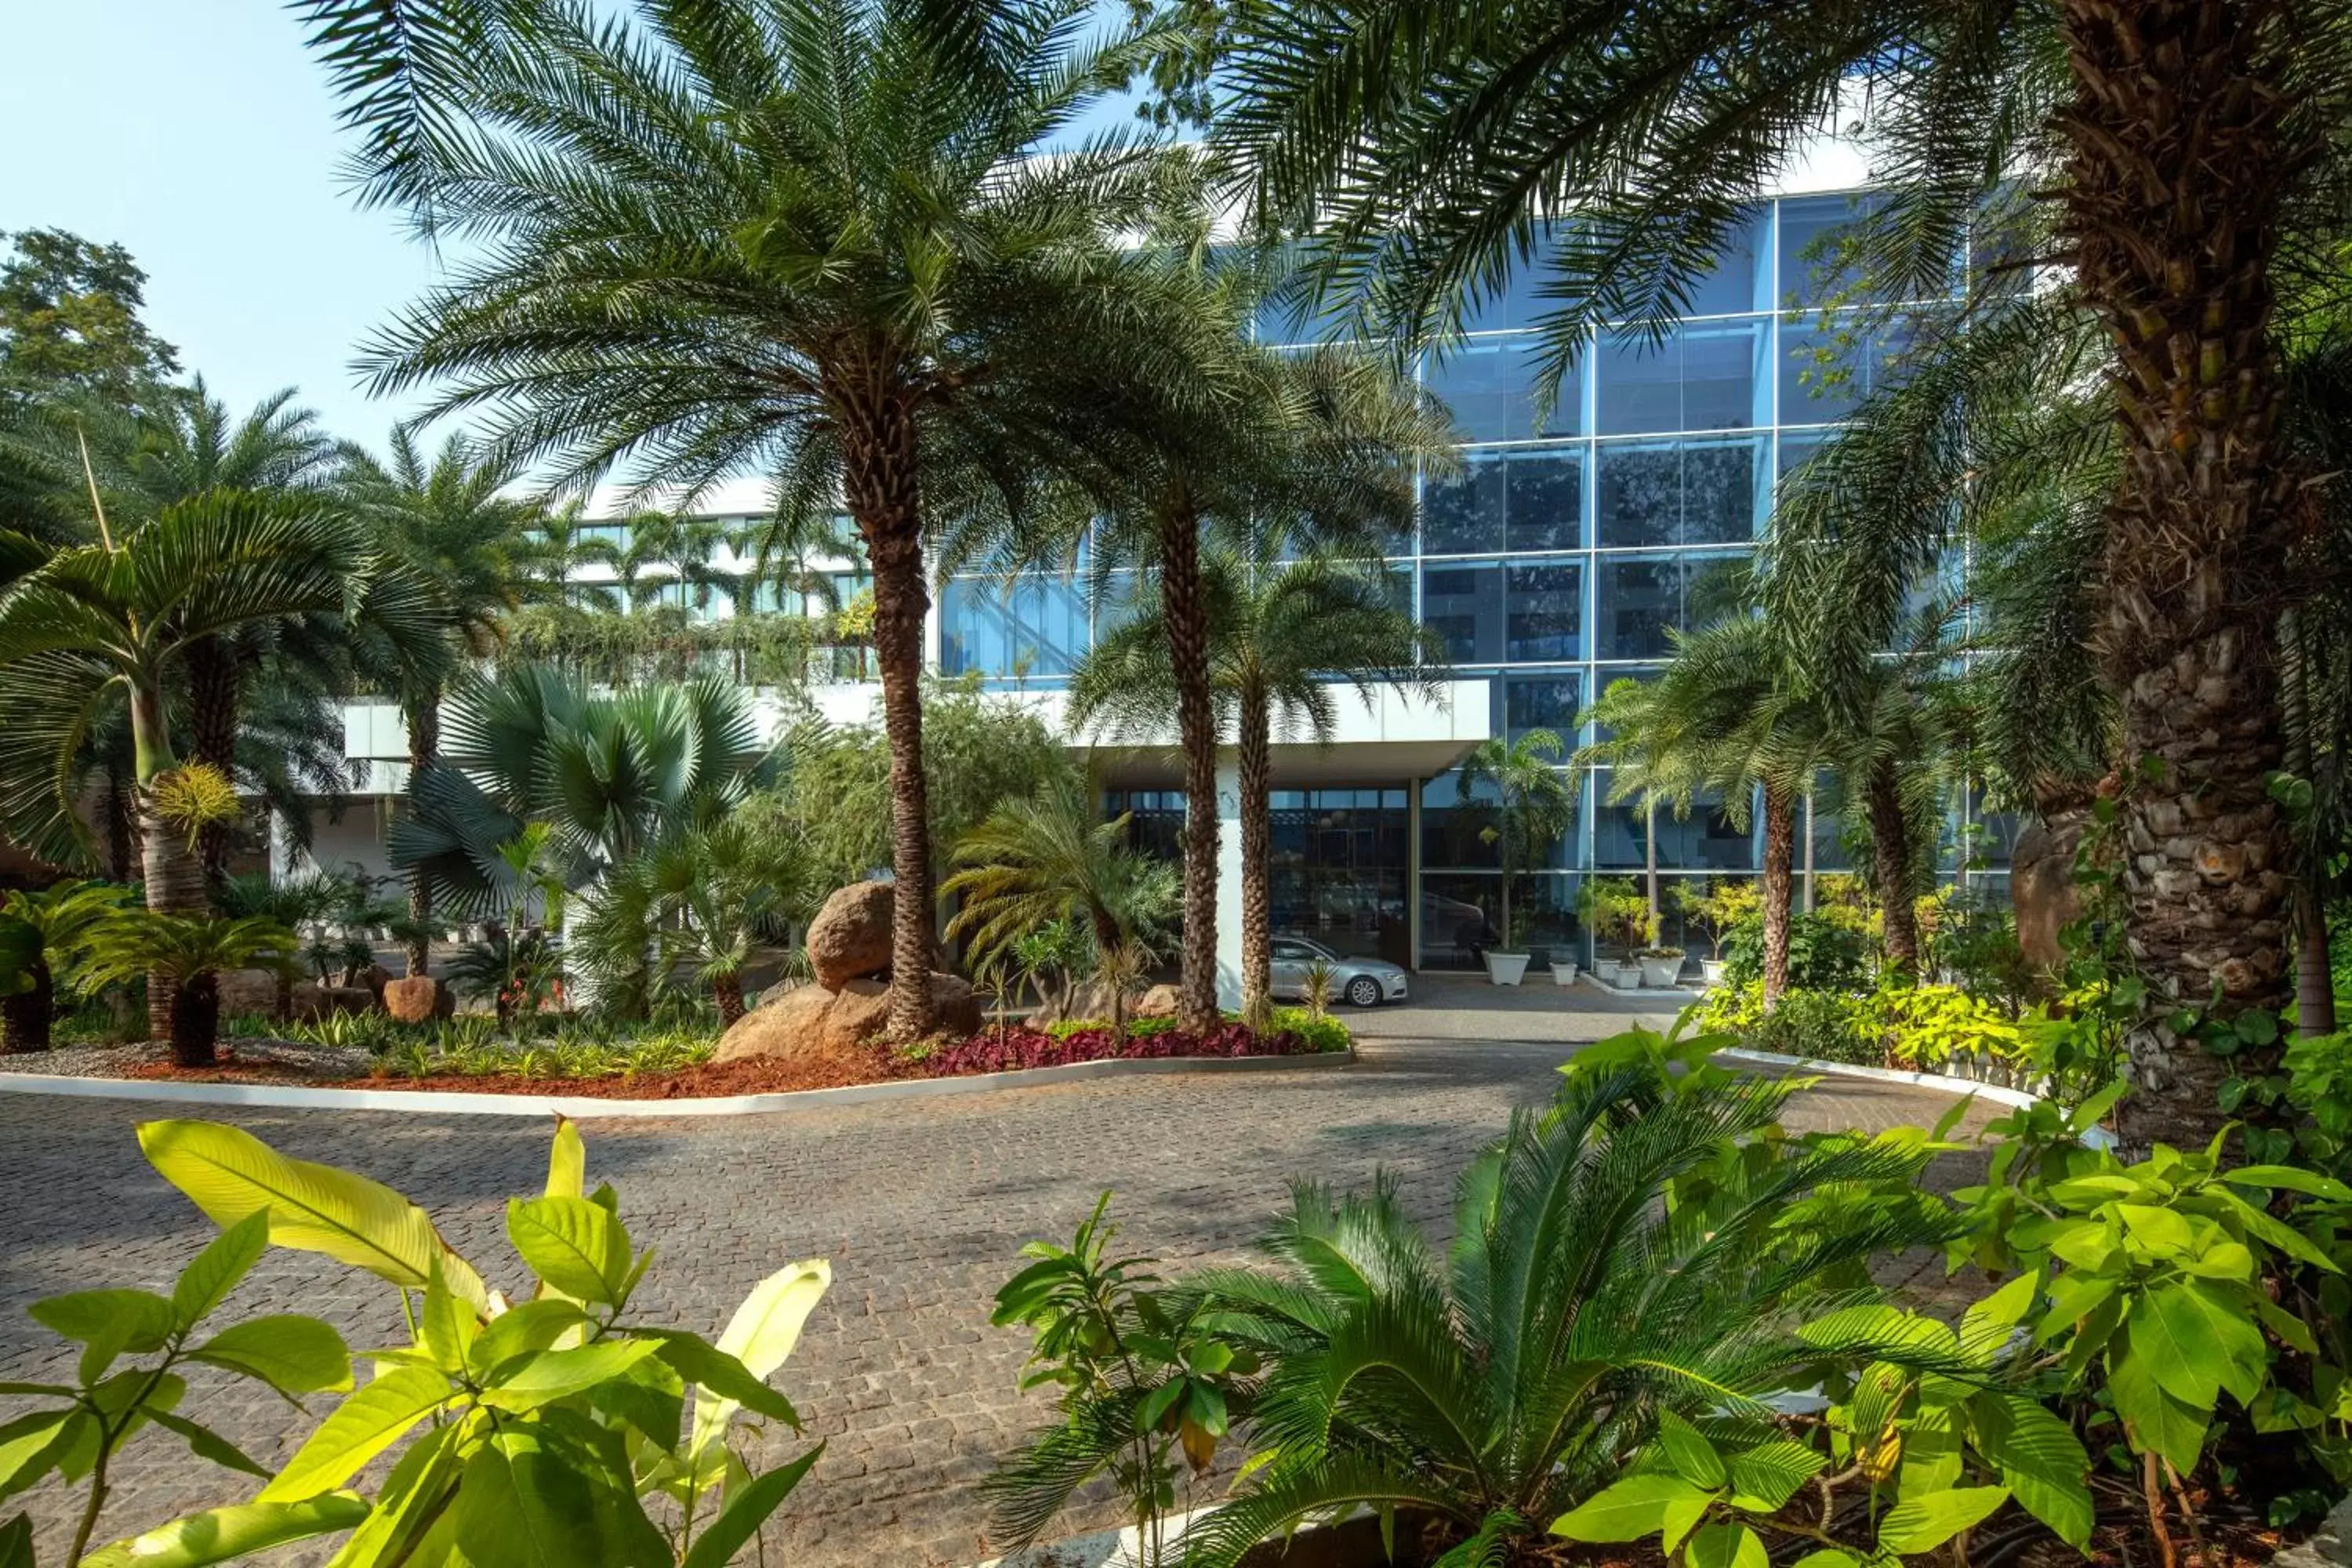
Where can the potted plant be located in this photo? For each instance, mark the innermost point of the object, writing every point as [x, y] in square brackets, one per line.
[1563, 971]
[1619, 919]
[1534, 806]
[1715, 912]
[1659, 966]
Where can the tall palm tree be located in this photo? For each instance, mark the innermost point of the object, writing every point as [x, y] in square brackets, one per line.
[784, 234]
[2187, 154]
[449, 523]
[1533, 809]
[121, 615]
[1285, 639]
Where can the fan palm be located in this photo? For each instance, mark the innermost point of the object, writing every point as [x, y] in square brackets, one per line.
[41, 936]
[727, 232]
[1045, 859]
[2190, 157]
[449, 523]
[1283, 640]
[705, 899]
[1534, 804]
[190, 952]
[1587, 1289]
[94, 619]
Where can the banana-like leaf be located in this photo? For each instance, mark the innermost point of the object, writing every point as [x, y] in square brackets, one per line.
[223, 1534]
[232, 1175]
[361, 1428]
[745, 1512]
[762, 1332]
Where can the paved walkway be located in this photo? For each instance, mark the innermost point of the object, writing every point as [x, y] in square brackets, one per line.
[921, 1206]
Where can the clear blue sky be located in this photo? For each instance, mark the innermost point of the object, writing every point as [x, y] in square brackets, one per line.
[199, 134]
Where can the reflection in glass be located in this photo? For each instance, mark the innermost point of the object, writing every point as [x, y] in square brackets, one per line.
[1547, 613]
[1462, 602]
[1489, 385]
[1037, 626]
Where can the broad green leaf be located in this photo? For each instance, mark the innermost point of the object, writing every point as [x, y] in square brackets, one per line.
[1765, 1476]
[293, 1354]
[232, 1175]
[2040, 1460]
[2154, 1419]
[107, 1322]
[534, 1380]
[414, 1495]
[2072, 1298]
[213, 1273]
[747, 1510]
[523, 1330]
[1828, 1557]
[363, 1426]
[2291, 1330]
[1985, 1326]
[207, 1443]
[1923, 1524]
[2196, 1344]
[2223, 1260]
[1931, 1454]
[1877, 1329]
[446, 1326]
[553, 1494]
[16, 1542]
[223, 1534]
[1630, 1509]
[28, 1446]
[1688, 1452]
[577, 1247]
[760, 1335]
[2292, 1178]
[1726, 1545]
[567, 1161]
[650, 1396]
[2158, 1230]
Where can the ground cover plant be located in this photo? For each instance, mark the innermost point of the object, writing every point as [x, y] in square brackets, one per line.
[552, 1425]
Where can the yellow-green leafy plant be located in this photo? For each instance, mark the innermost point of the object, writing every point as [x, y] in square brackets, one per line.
[535, 1430]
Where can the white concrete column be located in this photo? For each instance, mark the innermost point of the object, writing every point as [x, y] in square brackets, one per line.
[1229, 885]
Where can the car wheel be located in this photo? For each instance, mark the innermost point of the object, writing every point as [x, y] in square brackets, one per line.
[1364, 990]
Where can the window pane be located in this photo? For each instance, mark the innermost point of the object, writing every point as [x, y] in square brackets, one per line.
[1821, 368]
[1540, 702]
[1462, 602]
[1640, 496]
[1489, 385]
[1639, 600]
[1037, 628]
[1544, 497]
[1719, 492]
[1721, 375]
[1814, 230]
[1547, 613]
[1738, 280]
[1516, 304]
[1640, 385]
[1464, 513]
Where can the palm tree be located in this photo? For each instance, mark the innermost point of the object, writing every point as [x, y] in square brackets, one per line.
[1535, 804]
[2185, 149]
[733, 233]
[1043, 858]
[1283, 640]
[448, 522]
[1493, 1384]
[91, 620]
[710, 898]
[189, 951]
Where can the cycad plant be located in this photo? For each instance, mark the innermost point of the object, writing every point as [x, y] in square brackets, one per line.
[1615, 1257]
[42, 933]
[801, 236]
[188, 953]
[1285, 640]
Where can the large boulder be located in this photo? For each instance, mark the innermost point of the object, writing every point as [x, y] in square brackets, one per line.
[1159, 1002]
[313, 1002]
[820, 1022]
[850, 938]
[246, 993]
[419, 999]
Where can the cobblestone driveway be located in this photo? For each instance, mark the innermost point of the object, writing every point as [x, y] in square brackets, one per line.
[921, 1206]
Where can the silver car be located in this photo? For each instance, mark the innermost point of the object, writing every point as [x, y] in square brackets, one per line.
[1360, 982]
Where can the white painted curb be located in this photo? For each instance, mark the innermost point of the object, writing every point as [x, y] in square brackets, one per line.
[290, 1096]
[1997, 1094]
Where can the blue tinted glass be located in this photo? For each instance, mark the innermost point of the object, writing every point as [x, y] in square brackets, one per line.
[1037, 628]
[1462, 602]
[1464, 512]
[1720, 491]
[1544, 498]
[1639, 495]
[1721, 370]
[1639, 385]
[1815, 235]
[1640, 599]
[1548, 702]
[1489, 385]
[1739, 278]
[1547, 613]
[1517, 303]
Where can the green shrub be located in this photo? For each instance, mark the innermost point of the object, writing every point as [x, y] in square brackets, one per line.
[1325, 1033]
[1919, 1027]
[1826, 953]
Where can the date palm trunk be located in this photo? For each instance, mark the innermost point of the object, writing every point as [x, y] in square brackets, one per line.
[424, 718]
[215, 685]
[1780, 857]
[1890, 864]
[2180, 149]
[878, 482]
[1186, 616]
[1255, 767]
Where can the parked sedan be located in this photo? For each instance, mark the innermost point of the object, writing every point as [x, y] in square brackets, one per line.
[1360, 982]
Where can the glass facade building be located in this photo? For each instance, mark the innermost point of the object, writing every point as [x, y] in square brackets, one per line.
[1576, 534]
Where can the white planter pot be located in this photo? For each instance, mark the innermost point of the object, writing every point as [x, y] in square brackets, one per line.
[1622, 976]
[1661, 971]
[1507, 968]
[1563, 975]
[1711, 969]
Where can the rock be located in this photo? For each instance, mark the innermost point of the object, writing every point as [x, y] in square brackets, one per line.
[850, 938]
[831, 1021]
[246, 993]
[312, 1001]
[1159, 1002]
[375, 977]
[417, 1000]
